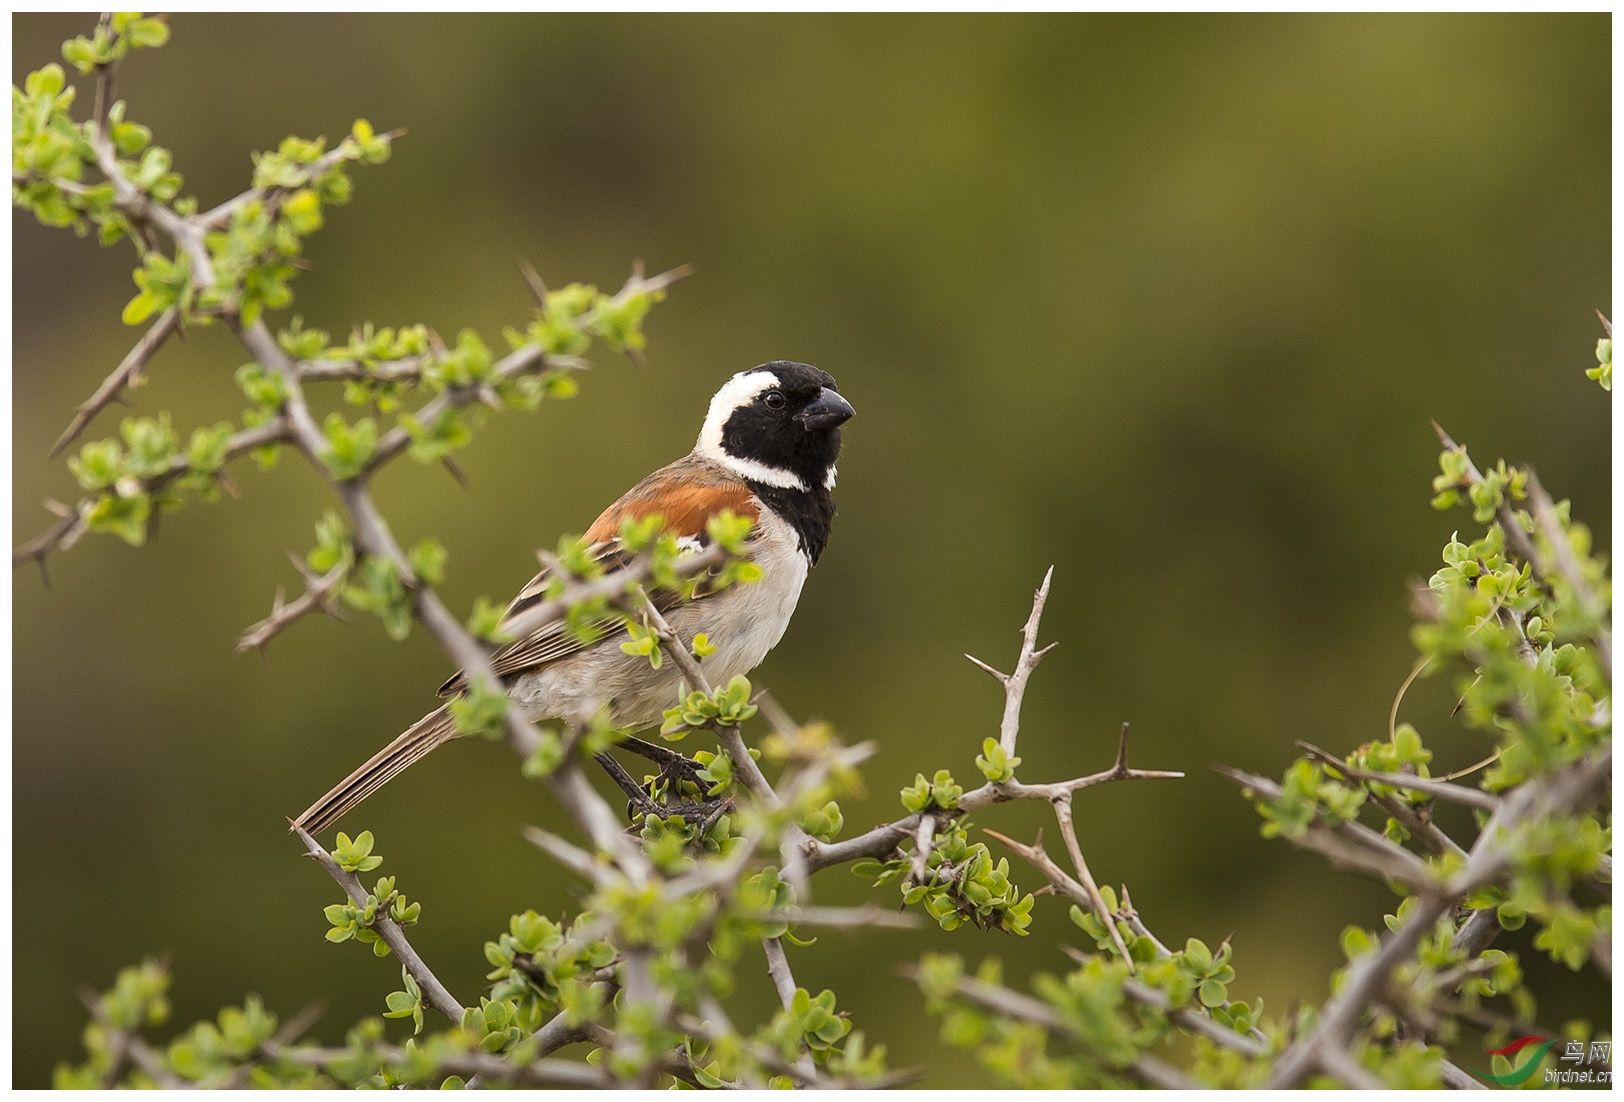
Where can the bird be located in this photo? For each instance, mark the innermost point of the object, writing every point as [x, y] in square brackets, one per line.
[767, 452]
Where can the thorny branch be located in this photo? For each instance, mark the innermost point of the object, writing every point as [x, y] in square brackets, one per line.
[66, 532]
[1147, 1069]
[1416, 820]
[1014, 683]
[529, 358]
[321, 594]
[884, 840]
[390, 932]
[1563, 564]
[1576, 785]
[1080, 894]
[1347, 845]
[1437, 789]
[124, 375]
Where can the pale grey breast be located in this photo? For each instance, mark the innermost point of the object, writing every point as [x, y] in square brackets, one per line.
[743, 623]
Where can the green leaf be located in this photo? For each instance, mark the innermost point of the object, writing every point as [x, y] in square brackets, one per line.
[349, 447]
[355, 855]
[428, 561]
[481, 710]
[149, 33]
[140, 308]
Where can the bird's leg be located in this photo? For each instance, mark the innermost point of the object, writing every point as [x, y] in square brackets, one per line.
[701, 813]
[637, 799]
[667, 760]
[723, 804]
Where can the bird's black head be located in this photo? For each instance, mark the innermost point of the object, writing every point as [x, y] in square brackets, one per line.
[779, 425]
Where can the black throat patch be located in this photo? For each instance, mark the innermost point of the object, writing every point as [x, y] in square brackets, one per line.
[810, 512]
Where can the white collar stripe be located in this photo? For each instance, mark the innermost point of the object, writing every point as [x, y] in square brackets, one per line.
[753, 471]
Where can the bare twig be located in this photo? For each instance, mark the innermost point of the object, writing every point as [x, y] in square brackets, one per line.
[924, 842]
[1338, 1062]
[532, 280]
[844, 918]
[124, 375]
[1068, 834]
[406, 369]
[153, 1064]
[778, 969]
[1127, 913]
[1014, 683]
[784, 983]
[321, 594]
[574, 858]
[1456, 1079]
[1478, 932]
[64, 533]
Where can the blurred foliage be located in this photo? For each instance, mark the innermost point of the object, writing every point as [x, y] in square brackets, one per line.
[1166, 300]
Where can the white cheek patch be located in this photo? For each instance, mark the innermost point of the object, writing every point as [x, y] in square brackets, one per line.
[829, 479]
[739, 391]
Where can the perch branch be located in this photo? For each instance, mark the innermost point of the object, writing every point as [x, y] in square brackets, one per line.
[755, 782]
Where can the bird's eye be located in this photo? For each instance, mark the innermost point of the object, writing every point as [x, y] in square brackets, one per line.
[774, 399]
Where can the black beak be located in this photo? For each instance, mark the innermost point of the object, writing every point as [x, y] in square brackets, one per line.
[825, 411]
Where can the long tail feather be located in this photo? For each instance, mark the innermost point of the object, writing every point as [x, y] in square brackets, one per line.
[424, 735]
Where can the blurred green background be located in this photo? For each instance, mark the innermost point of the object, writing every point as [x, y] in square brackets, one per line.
[1164, 301]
